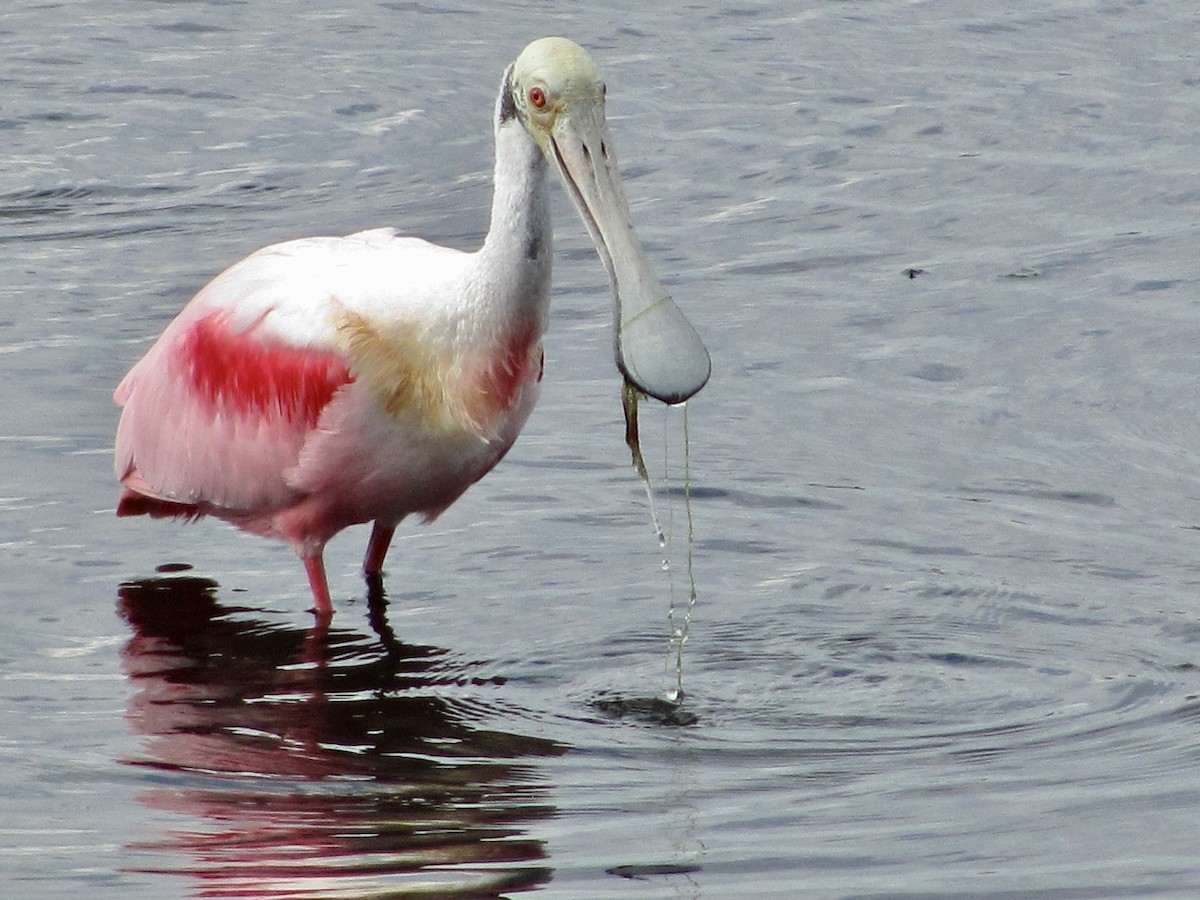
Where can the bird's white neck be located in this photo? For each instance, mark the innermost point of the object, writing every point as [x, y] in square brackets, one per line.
[519, 241]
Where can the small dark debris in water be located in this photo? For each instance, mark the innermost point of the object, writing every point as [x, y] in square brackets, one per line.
[170, 568]
[837, 487]
[647, 710]
[913, 273]
[643, 872]
[1024, 272]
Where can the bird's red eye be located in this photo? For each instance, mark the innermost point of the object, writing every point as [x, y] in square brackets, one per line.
[537, 97]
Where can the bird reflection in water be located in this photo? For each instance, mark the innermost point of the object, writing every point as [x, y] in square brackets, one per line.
[321, 762]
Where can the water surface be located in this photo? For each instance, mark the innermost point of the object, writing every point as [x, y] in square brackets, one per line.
[946, 526]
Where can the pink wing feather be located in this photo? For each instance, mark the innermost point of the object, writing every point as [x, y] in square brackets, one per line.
[216, 414]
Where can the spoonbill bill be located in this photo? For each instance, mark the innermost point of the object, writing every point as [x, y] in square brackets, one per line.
[331, 381]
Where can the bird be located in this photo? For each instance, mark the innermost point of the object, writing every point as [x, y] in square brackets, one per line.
[326, 382]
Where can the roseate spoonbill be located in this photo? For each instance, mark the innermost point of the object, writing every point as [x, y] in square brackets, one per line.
[330, 381]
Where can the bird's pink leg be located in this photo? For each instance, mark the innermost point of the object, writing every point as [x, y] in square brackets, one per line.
[377, 547]
[315, 567]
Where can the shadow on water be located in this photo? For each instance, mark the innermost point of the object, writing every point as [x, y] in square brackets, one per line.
[322, 762]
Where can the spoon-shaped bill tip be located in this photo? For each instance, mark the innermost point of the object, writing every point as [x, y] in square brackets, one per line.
[659, 353]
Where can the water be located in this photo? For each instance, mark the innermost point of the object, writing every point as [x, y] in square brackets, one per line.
[947, 634]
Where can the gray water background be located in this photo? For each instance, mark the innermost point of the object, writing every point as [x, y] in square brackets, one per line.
[947, 635]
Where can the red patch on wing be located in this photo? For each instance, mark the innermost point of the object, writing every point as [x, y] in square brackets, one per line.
[240, 372]
[502, 380]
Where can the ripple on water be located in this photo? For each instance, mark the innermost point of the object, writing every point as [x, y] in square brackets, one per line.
[950, 670]
[952, 700]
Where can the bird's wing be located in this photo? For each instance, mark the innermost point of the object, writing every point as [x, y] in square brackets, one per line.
[219, 409]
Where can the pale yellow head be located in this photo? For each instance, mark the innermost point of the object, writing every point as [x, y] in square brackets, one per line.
[552, 77]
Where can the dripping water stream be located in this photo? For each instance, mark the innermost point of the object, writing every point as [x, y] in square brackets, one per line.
[678, 625]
